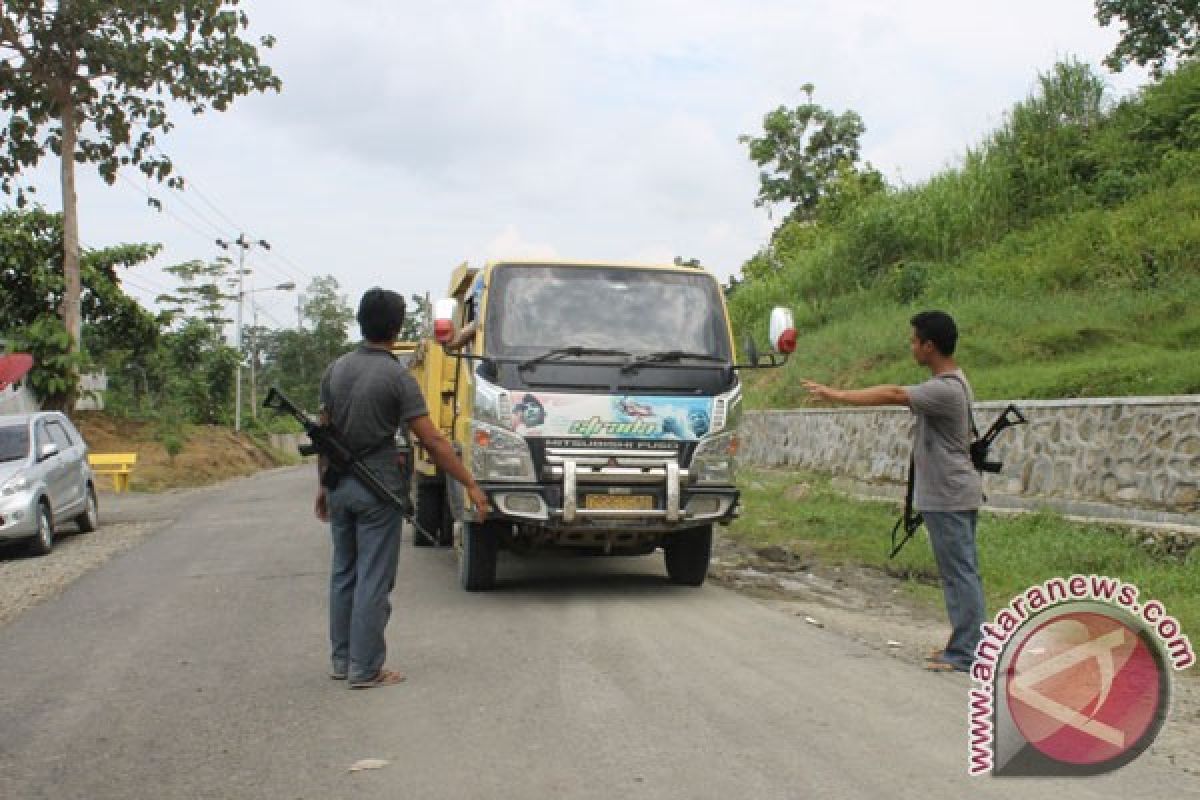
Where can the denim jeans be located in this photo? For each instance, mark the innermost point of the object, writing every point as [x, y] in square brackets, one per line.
[366, 548]
[952, 534]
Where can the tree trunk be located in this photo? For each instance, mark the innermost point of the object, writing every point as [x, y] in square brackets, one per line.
[70, 310]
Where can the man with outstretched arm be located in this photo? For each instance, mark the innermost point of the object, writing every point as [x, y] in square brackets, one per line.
[948, 489]
[368, 396]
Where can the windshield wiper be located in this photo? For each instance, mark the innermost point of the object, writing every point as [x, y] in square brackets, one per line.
[559, 353]
[664, 356]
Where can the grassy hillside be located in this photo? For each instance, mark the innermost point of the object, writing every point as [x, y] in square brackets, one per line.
[1067, 245]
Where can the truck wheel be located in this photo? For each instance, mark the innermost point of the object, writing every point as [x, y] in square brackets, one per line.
[686, 554]
[477, 562]
[428, 513]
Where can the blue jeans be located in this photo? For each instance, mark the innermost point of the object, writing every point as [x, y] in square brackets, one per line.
[366, 549]
[952, 534]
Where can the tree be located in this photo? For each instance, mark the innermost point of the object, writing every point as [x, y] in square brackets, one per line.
[417, 317]
[93, 81]
[200, 295]
[296, 359]
[802, 150]
[32, 276]
[1153, 32]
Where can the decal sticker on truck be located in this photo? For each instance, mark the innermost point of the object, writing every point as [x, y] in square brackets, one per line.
[621, 417]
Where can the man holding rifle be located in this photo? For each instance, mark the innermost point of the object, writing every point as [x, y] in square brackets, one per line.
[948, 488]
[366, 396]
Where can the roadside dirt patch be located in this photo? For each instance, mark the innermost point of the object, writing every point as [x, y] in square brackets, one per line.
[210, 453]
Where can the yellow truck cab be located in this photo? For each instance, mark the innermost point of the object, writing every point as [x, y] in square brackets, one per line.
[595, 403]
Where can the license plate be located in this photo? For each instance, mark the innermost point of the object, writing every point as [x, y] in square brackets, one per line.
[618, 502]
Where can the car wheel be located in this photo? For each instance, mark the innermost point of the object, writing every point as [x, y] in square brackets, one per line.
[43, 541]
[89, 520]
[477, 561]
[687, 554]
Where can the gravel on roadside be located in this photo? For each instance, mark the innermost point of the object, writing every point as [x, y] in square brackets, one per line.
[26, 580]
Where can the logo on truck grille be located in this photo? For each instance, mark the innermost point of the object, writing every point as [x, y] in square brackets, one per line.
[598, 427]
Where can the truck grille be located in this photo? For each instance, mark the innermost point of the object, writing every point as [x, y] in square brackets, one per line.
[609, 466]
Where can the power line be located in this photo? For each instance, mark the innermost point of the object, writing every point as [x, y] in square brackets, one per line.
[217, 232]
[208, 237]
[189, 182]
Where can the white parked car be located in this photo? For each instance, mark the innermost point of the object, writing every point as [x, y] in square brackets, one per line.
[45, 479]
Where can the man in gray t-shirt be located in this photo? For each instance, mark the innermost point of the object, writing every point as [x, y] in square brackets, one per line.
[369, 398]
[948, 489]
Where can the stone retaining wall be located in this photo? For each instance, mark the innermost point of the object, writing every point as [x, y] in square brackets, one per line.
[1140, 454]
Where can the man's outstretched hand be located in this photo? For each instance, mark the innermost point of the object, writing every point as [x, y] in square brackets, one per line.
[820, 391]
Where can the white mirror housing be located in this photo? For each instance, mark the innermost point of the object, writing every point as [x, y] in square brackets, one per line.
[443, 319]
[783, 331]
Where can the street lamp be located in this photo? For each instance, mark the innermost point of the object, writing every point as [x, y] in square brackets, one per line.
[283, 287]
[243, 244]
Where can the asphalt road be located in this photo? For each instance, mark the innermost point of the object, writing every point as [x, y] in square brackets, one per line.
[193, 666]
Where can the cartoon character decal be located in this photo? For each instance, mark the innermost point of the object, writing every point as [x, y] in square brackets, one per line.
[529, 413]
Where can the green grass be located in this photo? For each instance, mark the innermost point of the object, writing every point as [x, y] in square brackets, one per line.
[1015, 552]
[1079, 343]
[1067, 246]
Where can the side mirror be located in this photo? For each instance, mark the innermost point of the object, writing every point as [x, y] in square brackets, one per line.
[49, 450]
[783, 331]
[443, 319]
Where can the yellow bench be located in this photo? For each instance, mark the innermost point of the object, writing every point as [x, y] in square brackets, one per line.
[118, 465]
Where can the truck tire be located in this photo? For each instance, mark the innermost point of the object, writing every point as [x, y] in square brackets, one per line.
[429, 512]
[477, 561]
[686, 554]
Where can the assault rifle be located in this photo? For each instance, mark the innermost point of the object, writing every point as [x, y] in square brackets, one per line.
[325, 440]
[979, 448]
[911, 520]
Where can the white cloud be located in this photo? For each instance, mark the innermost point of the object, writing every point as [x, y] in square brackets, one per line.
[410, 137]
[509, 244]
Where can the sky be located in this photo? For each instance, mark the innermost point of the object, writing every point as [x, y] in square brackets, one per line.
[410, 137]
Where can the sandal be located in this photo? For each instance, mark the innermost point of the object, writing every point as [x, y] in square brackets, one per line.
[385, 677]
[936, 665]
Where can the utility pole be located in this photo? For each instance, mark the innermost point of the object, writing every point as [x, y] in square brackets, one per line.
[243, 244]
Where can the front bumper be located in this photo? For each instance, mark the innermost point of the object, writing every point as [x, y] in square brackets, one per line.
[18, 515]
[567, 505]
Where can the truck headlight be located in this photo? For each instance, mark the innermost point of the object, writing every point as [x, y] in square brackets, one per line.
[714, 461]
[15, 484]
[499, 455]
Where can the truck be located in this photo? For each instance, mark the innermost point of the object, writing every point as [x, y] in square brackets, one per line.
[596, 404]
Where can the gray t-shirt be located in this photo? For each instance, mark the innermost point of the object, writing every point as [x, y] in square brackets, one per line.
[945, 478]
[369, 395]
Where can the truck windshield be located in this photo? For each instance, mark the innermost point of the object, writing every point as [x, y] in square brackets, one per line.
[533, 309]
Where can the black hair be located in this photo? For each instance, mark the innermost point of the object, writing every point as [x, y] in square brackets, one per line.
[937, 327]
[380, 314]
